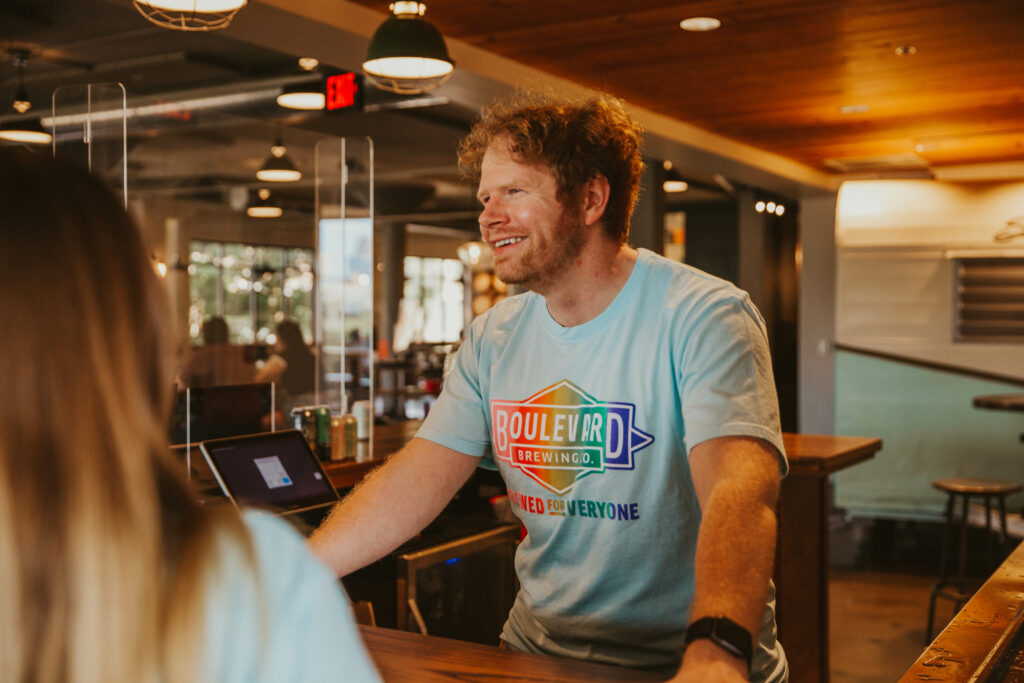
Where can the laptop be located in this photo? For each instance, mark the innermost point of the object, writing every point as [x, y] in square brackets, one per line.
[273, 470]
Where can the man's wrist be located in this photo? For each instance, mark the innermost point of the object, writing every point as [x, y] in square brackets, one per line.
[723, 633]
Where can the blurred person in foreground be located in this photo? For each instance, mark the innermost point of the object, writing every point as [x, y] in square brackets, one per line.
[627, 401]
[110, 569]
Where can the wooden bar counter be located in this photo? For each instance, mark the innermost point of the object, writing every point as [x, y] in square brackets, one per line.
[403, 657]
[801, 563]
[983, 642]
[802, 554]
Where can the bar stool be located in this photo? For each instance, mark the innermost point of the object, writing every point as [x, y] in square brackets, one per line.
[965, 488]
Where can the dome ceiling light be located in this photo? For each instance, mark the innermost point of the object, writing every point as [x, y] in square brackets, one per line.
[264, 206]
[407, 55]
[309, 95]
[23, 129]
[279, 168]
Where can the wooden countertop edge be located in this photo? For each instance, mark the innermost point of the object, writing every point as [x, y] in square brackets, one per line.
[844, 452]
[970, 645]
[407, 656]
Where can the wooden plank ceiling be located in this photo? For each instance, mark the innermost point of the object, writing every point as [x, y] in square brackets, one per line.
[778, 73]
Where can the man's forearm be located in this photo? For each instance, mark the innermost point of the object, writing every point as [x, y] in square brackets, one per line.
[737, 483]
[735, 555]
[393, 504]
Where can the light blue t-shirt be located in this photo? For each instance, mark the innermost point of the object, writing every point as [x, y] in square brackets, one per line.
[290, 621]
[590, 427]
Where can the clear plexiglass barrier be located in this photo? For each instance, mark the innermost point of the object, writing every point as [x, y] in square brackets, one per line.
[270, 280]
[89, 129]
[345, 265]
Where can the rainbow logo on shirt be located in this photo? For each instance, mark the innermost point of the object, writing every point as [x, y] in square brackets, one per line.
[561, 434]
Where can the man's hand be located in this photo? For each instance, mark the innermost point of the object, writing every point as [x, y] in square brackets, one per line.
[705, 662]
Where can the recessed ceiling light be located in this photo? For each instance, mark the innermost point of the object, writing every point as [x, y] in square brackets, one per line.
[308, 63]
[854, 108]
[700, 24]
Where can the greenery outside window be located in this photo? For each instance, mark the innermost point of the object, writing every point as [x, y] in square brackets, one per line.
[252, 287]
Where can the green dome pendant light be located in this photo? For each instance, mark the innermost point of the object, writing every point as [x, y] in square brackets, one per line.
[407, 55]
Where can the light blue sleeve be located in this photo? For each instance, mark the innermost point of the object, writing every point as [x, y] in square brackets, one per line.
[293, 624]
[725, 377]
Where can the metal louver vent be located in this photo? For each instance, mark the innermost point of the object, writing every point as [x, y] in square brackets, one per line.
[990, 300]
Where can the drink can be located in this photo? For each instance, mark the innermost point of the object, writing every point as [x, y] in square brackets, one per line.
[323, 427]
[344, 444]
[351, 436]
[337, 438]
[315, 424]
[364, 418]
[304, 419]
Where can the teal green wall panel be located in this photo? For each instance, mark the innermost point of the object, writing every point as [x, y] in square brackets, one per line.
[930, 430]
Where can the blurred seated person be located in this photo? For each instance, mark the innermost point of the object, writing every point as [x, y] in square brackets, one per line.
[292, 365]
[216, 362]
[110, 569]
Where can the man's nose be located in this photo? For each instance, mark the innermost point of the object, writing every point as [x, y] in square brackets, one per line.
[491, 216]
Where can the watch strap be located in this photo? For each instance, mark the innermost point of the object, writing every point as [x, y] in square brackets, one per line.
[723, 632]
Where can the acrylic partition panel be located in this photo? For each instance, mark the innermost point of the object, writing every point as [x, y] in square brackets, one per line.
[345, 286]
[89, 129]
[187, 167]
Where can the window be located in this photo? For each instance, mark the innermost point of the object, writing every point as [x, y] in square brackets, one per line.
[990, 300]
[252, 287]
[432, 305]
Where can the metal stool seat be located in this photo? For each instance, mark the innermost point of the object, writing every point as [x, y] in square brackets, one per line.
[965, 488]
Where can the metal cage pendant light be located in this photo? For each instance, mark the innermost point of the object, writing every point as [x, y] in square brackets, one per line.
[407, 55]
[190, 15]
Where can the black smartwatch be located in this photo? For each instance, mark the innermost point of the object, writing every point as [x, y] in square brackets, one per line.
[723, 632]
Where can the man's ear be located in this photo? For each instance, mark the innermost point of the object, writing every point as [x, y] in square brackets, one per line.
[595, 199]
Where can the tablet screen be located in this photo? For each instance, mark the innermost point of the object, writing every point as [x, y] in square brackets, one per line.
[272, 470]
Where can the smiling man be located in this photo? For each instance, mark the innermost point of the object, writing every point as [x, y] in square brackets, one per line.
[628, 403]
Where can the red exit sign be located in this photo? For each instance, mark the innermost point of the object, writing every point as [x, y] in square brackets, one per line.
[343, 91]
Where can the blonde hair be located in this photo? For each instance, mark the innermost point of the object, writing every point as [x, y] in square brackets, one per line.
[105, 556]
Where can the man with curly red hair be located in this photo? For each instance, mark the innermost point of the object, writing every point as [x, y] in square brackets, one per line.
[626, 400]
